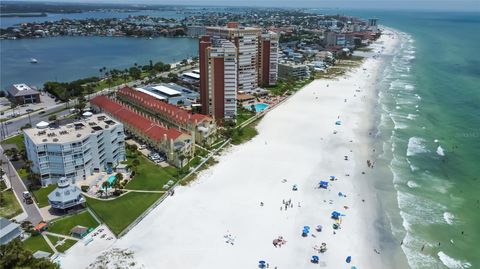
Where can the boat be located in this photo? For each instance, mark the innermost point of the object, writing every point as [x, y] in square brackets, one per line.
[33, 60]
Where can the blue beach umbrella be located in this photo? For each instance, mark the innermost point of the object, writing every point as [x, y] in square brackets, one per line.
[349, 259]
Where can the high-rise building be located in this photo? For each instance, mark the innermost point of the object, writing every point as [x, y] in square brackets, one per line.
[218, 78]
[76, 150]
[268, 60]
[255, 64]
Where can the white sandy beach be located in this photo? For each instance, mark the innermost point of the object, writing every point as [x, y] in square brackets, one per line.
[296, 142]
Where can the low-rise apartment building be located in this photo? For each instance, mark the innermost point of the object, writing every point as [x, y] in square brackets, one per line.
[75, 150]
[177, 146]
[201, 127]
[298, 71]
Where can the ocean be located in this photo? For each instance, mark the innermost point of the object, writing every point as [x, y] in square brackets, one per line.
[429, 130]
[428, 174]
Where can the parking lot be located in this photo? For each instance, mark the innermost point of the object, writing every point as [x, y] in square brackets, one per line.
[152, 155]
[46, 102]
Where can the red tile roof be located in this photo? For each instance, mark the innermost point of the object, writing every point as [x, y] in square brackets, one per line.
[151, 129]
[174, 113]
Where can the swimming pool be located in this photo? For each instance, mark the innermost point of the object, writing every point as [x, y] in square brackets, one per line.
[111, 179]
[259, 107]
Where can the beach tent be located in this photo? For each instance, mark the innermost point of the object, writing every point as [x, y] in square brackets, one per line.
[338, 122]
[332, 178]
[323, 184]
[349, 259]
[335, 215]
[314, 259]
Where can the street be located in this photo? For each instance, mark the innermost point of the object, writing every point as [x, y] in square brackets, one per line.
[18, 188]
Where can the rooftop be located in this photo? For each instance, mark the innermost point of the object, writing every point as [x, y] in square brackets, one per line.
[166, 90]
[175, 113]
[77, 130]
[134, 119]
[21, 89]
[7, 226]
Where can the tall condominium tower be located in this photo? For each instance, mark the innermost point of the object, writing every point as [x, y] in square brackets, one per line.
[256, 64]
[218, 78]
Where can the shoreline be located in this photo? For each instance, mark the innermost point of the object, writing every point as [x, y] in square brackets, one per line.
[225, 198]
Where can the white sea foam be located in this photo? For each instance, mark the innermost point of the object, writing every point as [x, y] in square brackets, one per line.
[440, 151]
[436, 140]
[451, 262]
[411, 116]
[415, 258]
[415, 146]
[448, 217]
[412, 184]
[409, 87]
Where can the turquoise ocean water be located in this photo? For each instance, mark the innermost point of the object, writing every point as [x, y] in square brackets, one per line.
[429, 128]
[428, 174]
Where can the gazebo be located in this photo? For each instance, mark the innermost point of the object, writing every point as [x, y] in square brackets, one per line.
[65, 196]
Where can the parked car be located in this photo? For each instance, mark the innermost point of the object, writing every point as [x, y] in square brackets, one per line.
[143, 147]
[27, 197]
[41, 112]
[29, 110]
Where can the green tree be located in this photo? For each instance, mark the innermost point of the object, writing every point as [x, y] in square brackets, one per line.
[106, 185]
[14, 255]
[134, 72]
[118, 181]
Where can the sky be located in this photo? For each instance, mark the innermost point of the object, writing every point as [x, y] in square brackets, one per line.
[463, 5]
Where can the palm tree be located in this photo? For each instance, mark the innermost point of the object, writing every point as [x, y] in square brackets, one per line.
[135, 163]
[106, 185]
[118, 179]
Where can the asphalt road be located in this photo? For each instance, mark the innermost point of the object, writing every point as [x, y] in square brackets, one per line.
[18, 188]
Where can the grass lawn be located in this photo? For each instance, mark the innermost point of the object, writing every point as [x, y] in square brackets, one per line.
[54, 239]
[149, 176]
[35, 243]
[41, 195]
[10, 206]
[68, 243]
[119, 213]
[16, 140]
[244, 134]
[64, 225]
[243, 115]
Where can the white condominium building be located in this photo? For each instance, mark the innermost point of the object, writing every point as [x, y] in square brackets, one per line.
[74, 151]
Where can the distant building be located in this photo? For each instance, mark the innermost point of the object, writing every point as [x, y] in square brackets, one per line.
[9, 231]
[65, 196]
[75, 150]
[174, 144]
[298, 71]
[196, 30]
[23, 94]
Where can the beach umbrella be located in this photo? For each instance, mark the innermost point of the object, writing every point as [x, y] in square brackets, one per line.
[261, 264]
[315, 259]
[349, 259]
[306, 228]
